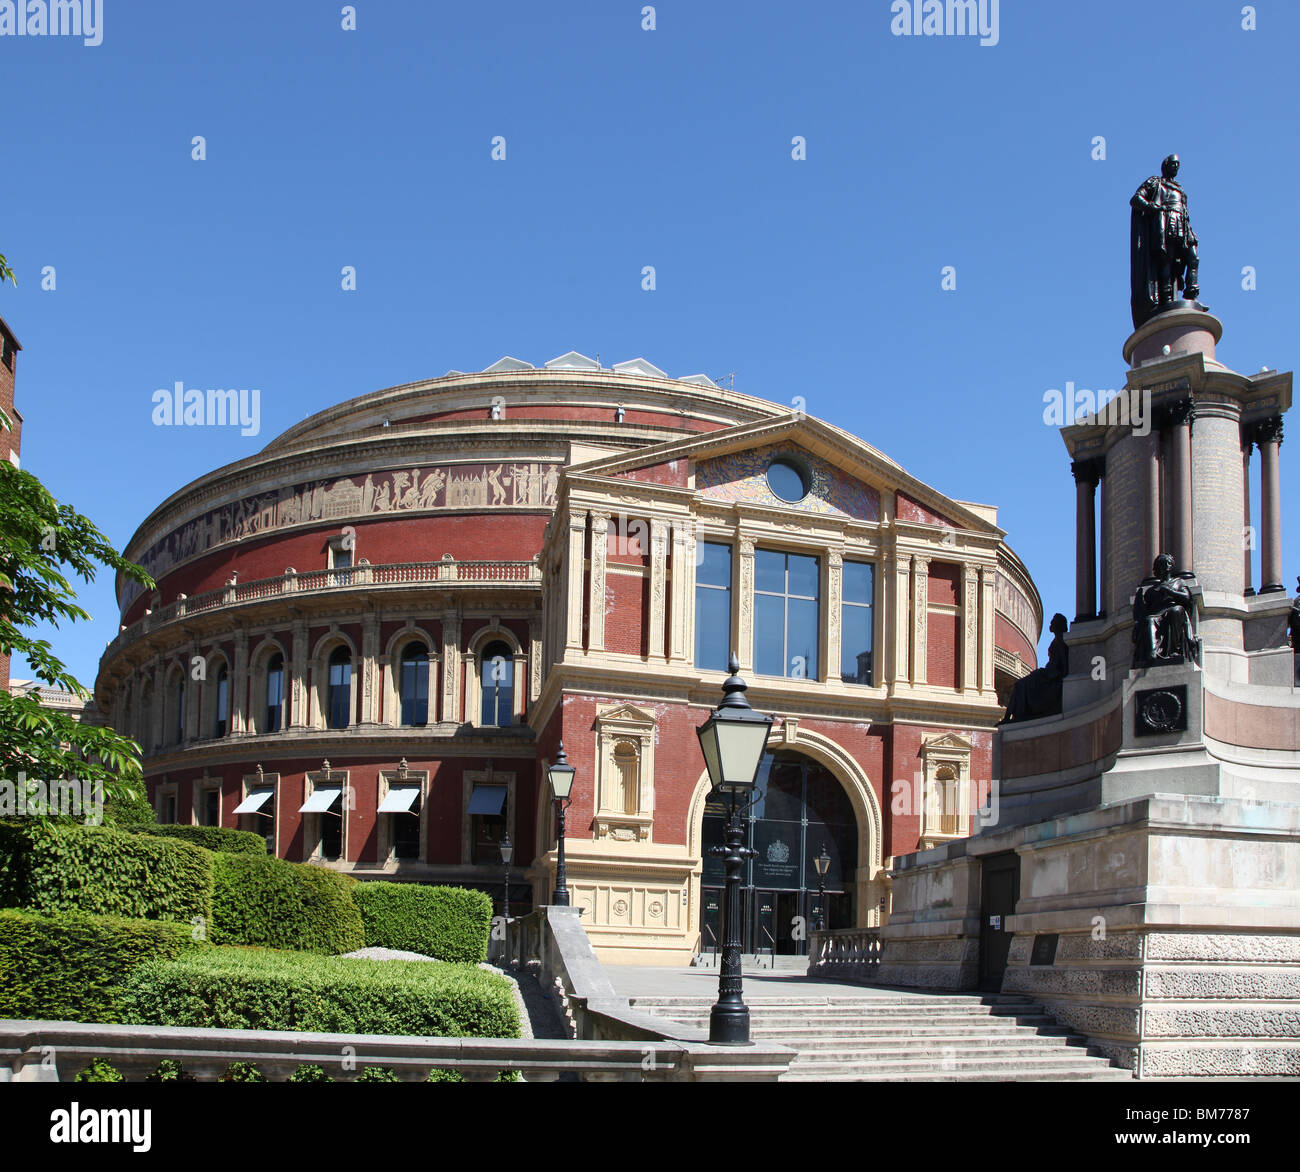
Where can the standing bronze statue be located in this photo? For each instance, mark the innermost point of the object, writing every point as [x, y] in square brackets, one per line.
[1039, 693]
[1293, 629]
[1164, 257]
[1164, 623]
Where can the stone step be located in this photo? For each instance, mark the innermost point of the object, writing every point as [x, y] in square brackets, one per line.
[1003, 1074]
[807, 1043]
[942, 1063]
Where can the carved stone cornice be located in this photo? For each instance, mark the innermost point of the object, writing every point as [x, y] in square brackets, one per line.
[1089, 471]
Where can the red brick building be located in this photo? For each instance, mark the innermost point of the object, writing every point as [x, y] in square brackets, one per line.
[369, 638]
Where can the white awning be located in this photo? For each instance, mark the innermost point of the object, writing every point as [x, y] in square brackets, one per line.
[399, 799]
[255, 801]
[487, 799]
[322, 798]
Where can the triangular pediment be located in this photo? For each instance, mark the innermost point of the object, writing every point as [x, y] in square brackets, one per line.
[848, 476]
[949, 741]
[622, 713]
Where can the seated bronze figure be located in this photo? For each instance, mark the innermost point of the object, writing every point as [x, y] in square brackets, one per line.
[1039, 693]
[1164, 623]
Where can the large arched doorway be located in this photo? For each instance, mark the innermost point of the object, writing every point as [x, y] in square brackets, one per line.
[803, 808]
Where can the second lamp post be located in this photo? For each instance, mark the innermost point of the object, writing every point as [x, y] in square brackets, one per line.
[560, 775]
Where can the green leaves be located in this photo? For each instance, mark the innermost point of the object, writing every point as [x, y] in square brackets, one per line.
[447, 923]
[6, 273]
[40, 539]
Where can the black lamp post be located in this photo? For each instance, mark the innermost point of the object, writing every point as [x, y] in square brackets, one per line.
[507, 853]
[822, 862]
[733, 740]
[560, 775]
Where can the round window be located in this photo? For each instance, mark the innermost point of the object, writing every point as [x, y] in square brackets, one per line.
[787, 480]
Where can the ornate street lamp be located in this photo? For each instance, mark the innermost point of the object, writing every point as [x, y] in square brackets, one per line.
[822, 862]
[507, 854]
[560, 775]
[733, 740]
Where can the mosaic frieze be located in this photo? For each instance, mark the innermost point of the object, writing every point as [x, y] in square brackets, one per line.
[405, 490]
[742, 476]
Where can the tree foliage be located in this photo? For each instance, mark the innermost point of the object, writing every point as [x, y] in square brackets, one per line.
[43, 544]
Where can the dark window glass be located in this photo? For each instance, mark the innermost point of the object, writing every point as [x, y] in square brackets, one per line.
[787, 481]
[486, 832]
[415, 684]
[787, 623]
[331, 830]
[211, 812]
[340, 688]
[713, 607]
[223, 702]
[275, 693]
[406, 833]
[180, 710]
[856, 624]
[497, 678]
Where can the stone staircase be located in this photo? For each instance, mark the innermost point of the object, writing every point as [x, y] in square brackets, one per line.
[906, 1036]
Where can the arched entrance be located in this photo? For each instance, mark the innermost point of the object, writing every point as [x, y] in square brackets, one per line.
[803, 808]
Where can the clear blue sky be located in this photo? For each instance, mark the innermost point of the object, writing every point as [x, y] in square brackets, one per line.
[627, 148]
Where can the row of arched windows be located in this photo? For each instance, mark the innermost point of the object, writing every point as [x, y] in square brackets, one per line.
[411, 674]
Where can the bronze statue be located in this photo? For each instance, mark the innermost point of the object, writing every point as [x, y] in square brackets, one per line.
[1163, 245]
[1293, 629]
[1039, 693]
[1164, 623]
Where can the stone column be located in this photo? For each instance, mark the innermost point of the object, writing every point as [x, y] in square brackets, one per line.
[299, 716]
[970, 628]
[369, 669]
[534, 659]
[1179, 416]
[681, 595]
[158, 698]
[920, 617]
[742, 638]
[596, 600]
[1247, 533]
[988, 600]
[194, 694]
[1152, 459]
[573, 593]
[902, 615]
[451, 667]
[1086, 475]
[834, 616]
[239, 687]
[1268, 435]
[658, 586]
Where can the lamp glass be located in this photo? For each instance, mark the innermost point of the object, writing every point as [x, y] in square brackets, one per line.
[561, 779]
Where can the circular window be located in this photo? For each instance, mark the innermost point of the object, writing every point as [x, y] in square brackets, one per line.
[787, 480]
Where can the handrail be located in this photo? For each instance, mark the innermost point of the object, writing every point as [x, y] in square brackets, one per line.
[714, 937]
[771, 947]
[396, 574]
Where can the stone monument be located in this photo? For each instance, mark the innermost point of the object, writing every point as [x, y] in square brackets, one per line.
[1137, 870]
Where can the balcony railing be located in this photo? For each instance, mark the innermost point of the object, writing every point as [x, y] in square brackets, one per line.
[401, 574]
[847, 954]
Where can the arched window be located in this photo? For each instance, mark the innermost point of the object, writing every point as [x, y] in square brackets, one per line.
[628, 774]
[274, 693]
[415, 684]
[497, 675]
[221, 708]
[339, 704]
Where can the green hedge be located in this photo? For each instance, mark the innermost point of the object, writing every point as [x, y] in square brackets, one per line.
[236, 988]
[71, 966]
[94, 869]
[447, 923]
[213, 838]
[271, 903]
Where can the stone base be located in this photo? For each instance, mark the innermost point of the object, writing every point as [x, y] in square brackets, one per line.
[1176, 921]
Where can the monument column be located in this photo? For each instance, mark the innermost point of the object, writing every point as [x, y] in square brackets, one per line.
[1268, 434]
[1086, 475]
[1247, 534]
[1152, 460]
[1179, 416]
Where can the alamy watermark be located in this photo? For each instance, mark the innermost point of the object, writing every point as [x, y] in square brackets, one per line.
[66, 796]
[53, 18]
[190, 407]
[1130, 407]
[946, 18]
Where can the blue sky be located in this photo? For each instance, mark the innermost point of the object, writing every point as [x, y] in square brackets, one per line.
[627, 148]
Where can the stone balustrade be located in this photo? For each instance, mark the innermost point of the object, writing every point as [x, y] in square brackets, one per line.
[847, 954]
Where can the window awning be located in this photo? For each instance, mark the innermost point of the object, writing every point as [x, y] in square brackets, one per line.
[322, 798]
[399, 799]
[487, 799]
[255, 801]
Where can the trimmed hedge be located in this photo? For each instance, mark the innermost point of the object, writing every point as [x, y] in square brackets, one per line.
[268, 902]
[447, 923]
[252, 989]
[104, 872]
[71, 966]
[212, 838]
